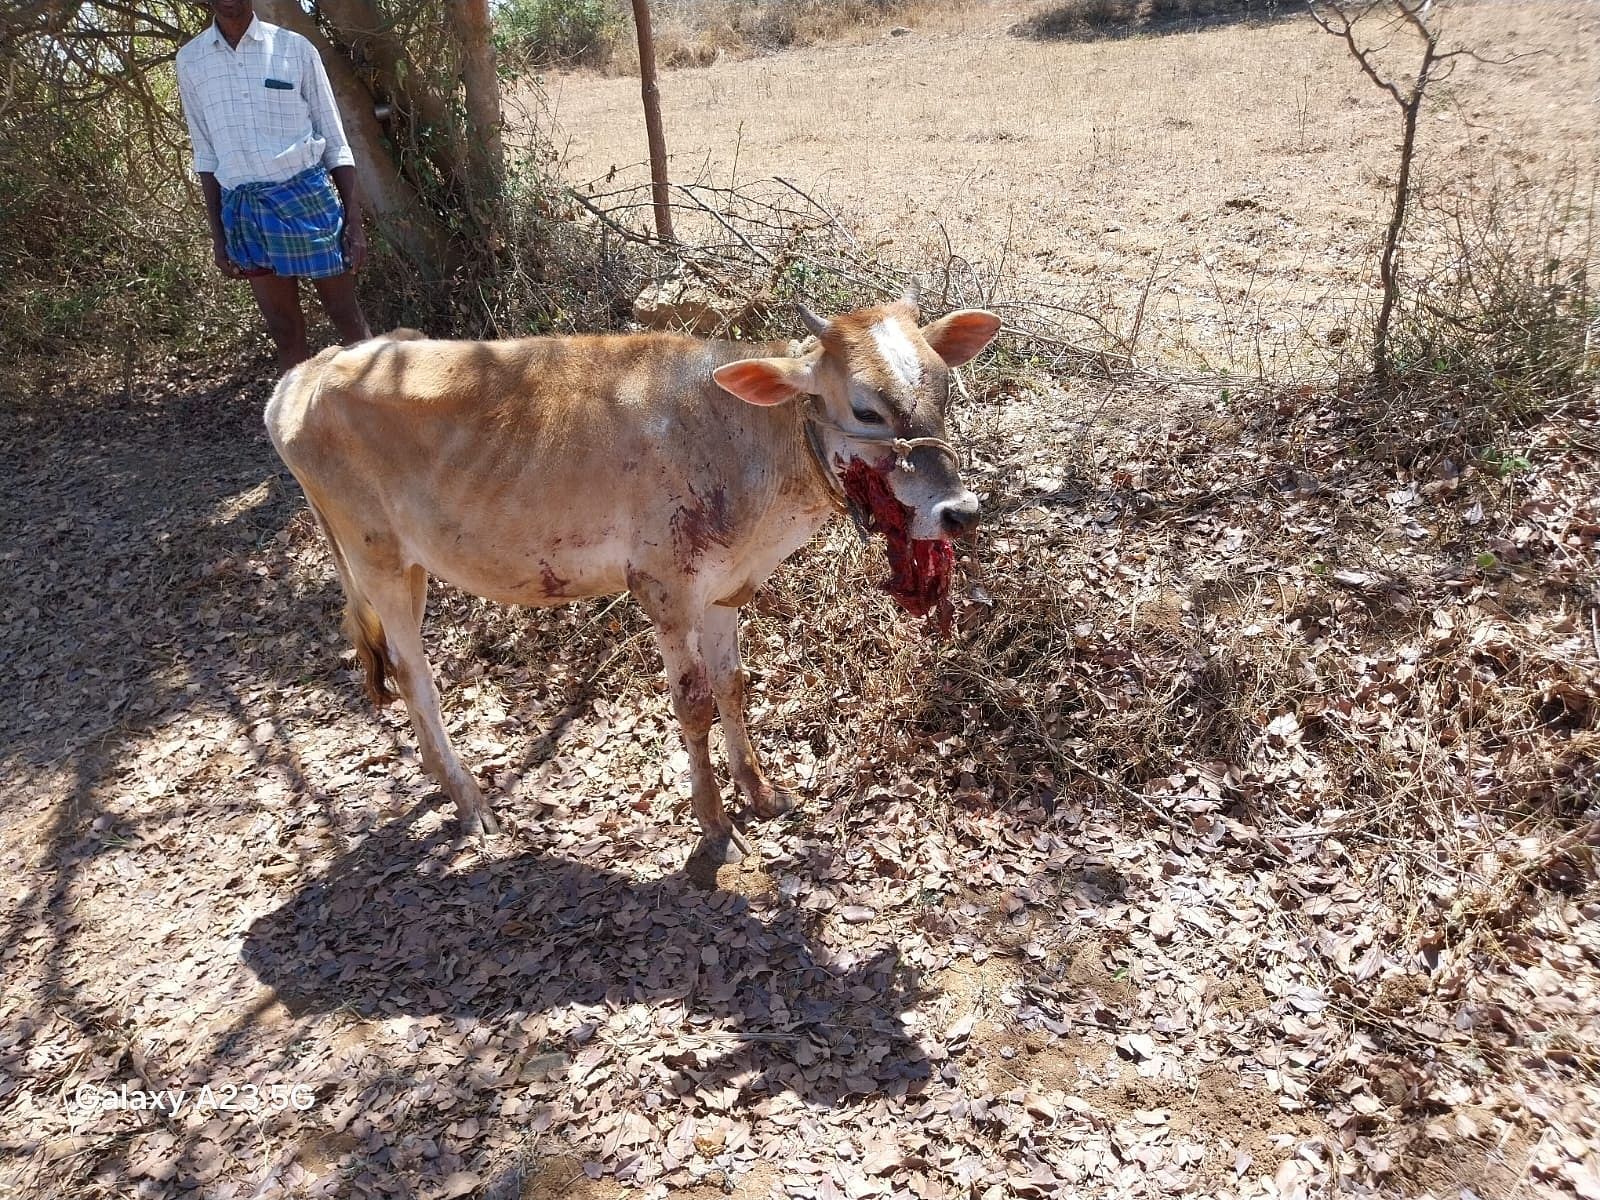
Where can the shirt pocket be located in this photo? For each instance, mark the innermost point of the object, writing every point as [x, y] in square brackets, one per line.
[282, 112]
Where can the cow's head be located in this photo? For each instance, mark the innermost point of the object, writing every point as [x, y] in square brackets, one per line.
[879, 376]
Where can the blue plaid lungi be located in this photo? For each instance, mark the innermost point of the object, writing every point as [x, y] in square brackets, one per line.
[292, 227]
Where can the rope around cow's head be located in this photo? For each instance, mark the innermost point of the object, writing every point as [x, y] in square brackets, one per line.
[815, 420]
[902, 447]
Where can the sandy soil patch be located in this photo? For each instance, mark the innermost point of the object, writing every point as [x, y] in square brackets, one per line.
[1239, 172]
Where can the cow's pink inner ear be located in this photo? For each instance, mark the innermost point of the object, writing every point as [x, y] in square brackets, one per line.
[959, 337]
[762, 380]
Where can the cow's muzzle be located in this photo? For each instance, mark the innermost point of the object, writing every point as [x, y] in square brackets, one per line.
[957, 517]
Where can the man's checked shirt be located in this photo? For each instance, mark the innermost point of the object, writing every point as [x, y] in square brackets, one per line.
[260, 113]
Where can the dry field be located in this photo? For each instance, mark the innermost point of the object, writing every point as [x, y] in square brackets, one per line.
[1241, 841]
[1239, 171]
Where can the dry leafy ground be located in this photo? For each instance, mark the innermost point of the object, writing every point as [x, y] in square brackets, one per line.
[1241, 842]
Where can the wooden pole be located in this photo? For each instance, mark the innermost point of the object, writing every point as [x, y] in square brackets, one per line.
[652, 121]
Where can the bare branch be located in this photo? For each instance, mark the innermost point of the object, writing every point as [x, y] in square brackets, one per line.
[1335, 17]
[1346, 30]
[688, 190]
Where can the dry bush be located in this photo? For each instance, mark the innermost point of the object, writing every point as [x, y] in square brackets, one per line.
[1503, 312]
[1090, 18]
[777, 25]
[688, 33]
[544, 272]
[103, 244]
[1080, 17]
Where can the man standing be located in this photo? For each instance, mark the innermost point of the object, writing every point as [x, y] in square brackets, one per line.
[278, 176]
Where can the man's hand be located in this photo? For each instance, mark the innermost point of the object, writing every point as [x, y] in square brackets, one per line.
[229, 268]
[355, 245]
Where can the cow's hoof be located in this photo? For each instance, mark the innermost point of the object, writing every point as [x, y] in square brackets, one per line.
[723, 849]
[718, 851]
[480, 823]
[774, 803]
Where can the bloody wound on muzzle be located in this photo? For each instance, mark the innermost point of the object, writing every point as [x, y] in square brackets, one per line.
[919, 568]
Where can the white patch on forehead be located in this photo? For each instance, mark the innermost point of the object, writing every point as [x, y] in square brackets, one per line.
[898, 353]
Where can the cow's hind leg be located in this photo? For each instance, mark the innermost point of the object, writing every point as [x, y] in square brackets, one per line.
[399, 602]
[719, 638]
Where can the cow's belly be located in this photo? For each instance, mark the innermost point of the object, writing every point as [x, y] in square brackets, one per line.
[516, 561]
[520, 571]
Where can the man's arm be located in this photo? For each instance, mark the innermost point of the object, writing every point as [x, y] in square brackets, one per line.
[212, 190]
[355, 236]
[336, 154]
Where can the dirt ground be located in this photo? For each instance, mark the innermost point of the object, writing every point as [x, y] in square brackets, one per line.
[955, 972]
[1239, 171]
[1302, 902]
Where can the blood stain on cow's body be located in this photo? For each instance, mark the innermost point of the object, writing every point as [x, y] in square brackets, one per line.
[701, 524]
[649, 591]
[554, 585]
[695, 689]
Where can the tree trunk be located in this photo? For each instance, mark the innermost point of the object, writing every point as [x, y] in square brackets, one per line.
[1388, 264]
[359, 25]
[652, 121]
[480, 75]
[401, 216]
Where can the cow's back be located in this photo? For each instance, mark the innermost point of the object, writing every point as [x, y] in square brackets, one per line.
[571, 392]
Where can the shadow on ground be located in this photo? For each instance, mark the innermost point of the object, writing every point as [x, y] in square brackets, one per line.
[127, 519]
[1098, 20]
[390, 929]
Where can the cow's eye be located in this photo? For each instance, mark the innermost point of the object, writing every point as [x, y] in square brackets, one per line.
[867, 417]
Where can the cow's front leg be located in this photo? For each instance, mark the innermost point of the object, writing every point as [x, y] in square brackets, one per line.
[690, 684]
[719, 638]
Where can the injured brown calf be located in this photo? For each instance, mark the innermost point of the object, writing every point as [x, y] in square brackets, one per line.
[544, 470]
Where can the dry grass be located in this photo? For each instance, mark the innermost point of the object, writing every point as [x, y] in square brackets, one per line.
[1213, 197]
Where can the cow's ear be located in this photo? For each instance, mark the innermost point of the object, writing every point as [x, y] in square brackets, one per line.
[765, 380]
[957, 338]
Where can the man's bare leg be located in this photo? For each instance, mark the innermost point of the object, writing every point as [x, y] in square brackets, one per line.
[338, 296]
[278, 298]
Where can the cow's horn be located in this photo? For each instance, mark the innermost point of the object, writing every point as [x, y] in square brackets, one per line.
[811, 321]
[912, 296]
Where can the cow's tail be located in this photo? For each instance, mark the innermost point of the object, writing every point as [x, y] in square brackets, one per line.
[361, 624]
